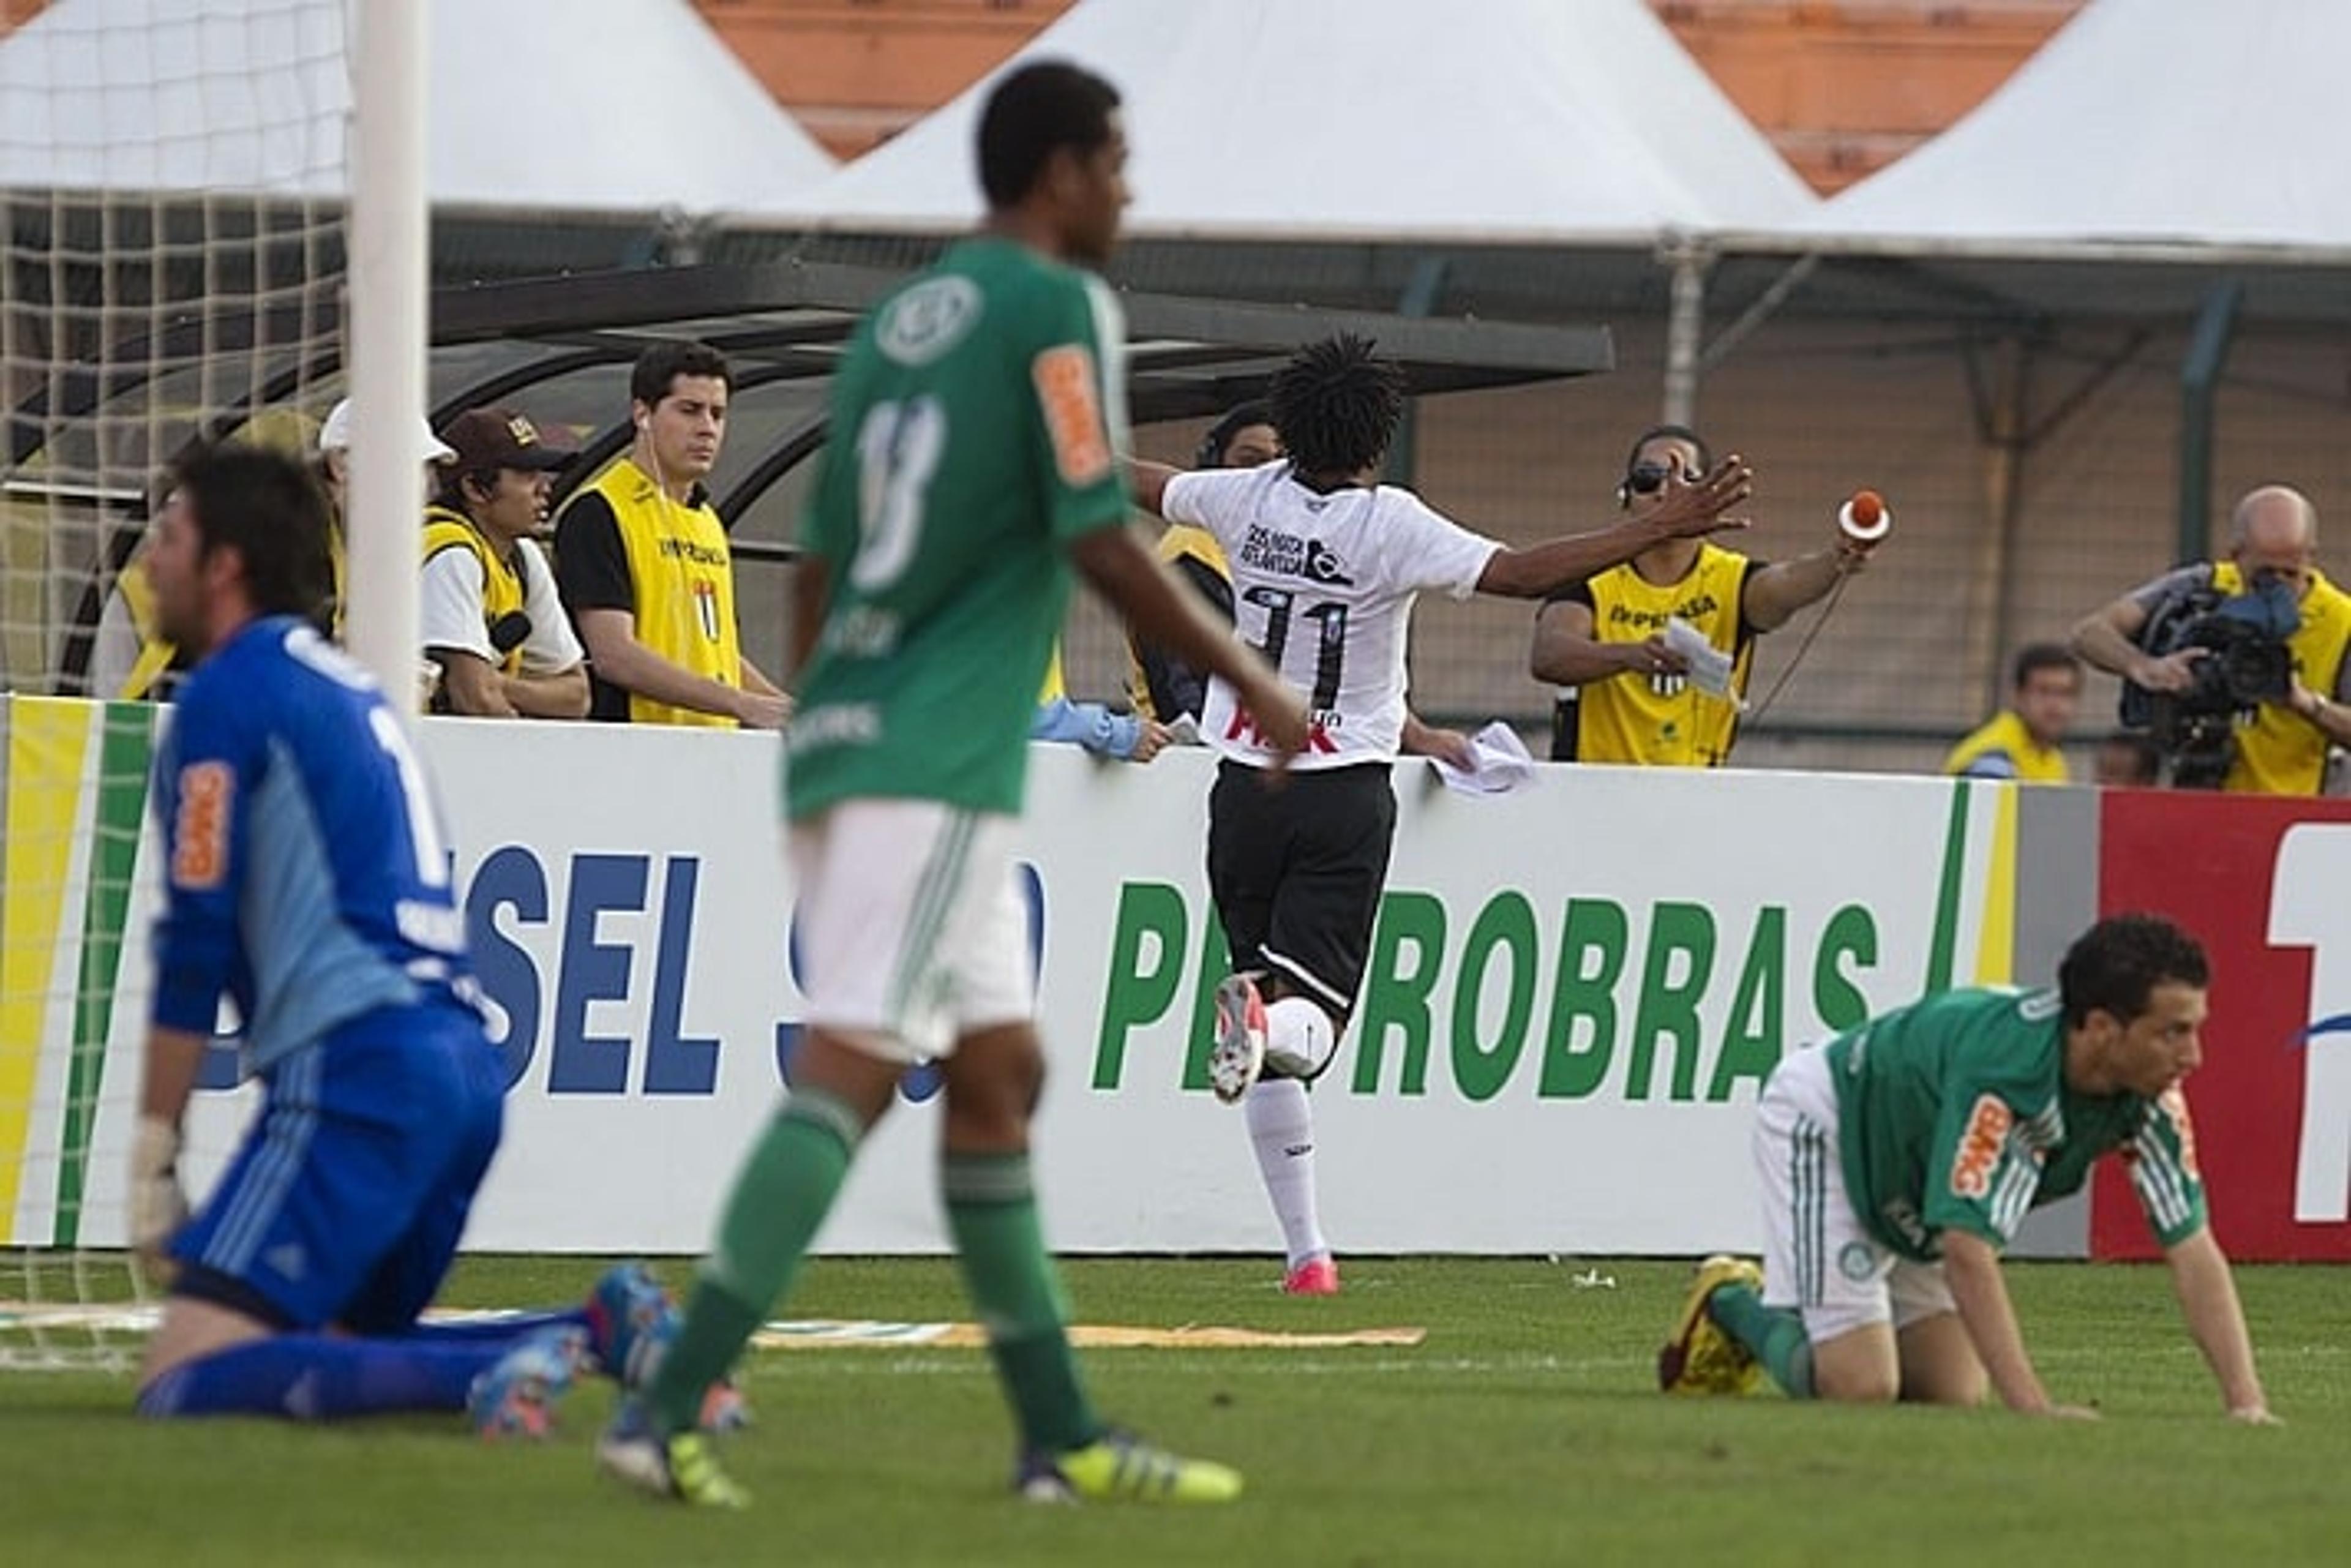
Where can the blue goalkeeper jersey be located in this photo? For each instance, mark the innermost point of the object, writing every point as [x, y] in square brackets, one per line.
[306, 871]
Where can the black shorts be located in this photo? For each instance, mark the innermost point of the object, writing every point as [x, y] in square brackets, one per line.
[1297, 872]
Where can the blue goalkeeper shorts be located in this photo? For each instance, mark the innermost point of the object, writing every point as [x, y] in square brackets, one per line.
[345, 1202]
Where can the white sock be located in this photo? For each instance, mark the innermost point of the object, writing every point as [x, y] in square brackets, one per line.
[1282, 1125]
[1298, 1038]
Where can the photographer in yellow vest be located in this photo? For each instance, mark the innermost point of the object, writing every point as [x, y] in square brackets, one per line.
[643, 566]
[1625, 695]
[487, 605]
[2280, 740]
[2021, 740]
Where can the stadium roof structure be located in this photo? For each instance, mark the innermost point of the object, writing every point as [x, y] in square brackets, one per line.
[538, 106]
[784, 326]
[2176, 127]
[561, 349]
[1499, 122]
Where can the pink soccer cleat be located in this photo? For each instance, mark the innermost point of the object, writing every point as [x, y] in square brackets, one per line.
[1315, 1277]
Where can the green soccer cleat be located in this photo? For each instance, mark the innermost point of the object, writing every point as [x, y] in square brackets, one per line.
[679, 1466]
[1118, 1467]
[1701, 1358]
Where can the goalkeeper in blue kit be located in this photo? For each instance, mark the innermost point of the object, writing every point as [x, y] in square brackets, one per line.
[308, 879]
[1897, 1160]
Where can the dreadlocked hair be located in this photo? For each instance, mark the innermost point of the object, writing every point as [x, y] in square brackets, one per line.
[1336, 404]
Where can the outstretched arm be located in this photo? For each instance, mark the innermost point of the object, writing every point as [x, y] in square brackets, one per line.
[1690, 511]
[1148, 481]
[1777, 592]
[2208, 1300]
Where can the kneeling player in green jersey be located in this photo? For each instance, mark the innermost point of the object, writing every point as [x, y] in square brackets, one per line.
[1897, 1160]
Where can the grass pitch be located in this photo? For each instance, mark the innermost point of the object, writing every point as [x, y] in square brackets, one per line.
[1525, 1429]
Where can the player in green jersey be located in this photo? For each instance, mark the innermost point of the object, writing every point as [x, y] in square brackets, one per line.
[975, 421]
[1897, 1160]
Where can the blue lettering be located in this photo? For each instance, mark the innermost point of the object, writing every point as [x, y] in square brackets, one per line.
[594, 971]
[787, 1032]
[675, 1065]
[510, 878]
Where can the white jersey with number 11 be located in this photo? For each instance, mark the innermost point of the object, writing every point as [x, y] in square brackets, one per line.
[1323, 586]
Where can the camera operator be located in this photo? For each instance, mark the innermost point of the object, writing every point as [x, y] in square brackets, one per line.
[2237, 666]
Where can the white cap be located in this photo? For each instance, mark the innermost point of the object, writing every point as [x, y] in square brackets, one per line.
[335, 436]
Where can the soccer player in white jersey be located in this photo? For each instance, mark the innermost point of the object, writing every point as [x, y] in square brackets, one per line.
[1326, 563]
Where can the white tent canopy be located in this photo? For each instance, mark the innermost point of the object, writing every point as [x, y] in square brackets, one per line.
[2155, 123]
[1495, 121]
[538, 105]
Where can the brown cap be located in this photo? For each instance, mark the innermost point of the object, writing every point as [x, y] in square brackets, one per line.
[498, 437]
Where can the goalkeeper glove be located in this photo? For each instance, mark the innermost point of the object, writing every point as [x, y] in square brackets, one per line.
[158, 1206]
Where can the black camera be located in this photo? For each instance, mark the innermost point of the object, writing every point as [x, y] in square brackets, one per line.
[2246, 663]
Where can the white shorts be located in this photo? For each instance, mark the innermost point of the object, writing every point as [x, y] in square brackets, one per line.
[911, 927]
[1817, 1258]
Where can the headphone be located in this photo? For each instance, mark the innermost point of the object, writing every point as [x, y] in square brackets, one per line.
[1625, 486]
[1210, 453]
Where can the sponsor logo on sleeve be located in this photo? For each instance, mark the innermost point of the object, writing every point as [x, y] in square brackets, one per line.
[1981, 1146]
[200, 831]
[1064, 376]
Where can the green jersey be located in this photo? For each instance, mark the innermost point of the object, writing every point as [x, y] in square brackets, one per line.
[1954, 1113]
[976, 423]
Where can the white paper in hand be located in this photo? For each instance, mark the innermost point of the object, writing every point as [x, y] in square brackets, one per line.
[1710, 666]
[1184, 730]
[1498, 763]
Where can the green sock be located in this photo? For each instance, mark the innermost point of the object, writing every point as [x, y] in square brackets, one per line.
[782, 1195]
[1776, 1335]
[992, 1210]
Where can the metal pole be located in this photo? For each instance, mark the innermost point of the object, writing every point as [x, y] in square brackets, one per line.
[1684, 327]
[2208, 353]
[1419, 300]
[385, 322]
[2004, 456]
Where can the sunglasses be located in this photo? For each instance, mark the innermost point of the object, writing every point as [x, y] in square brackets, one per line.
[1648, 478]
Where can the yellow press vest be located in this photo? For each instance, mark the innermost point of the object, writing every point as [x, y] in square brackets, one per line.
[502, 586]
[2006, 734]
[1181, 540]
[1663, 721]
[2279, 752]
[155, 655]
[683, 577]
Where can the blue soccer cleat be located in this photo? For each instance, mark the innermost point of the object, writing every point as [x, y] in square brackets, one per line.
[632, 1321]
[518, 1395]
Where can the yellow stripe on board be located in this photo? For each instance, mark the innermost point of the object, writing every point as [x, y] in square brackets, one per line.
[48, 743]
[1996, 940]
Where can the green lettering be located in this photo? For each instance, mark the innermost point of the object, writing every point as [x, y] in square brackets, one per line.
[1750, 1042]
[1668, 1006]
[1594, 937]
[1146, 963]
[1508, 922]
[1851, 934]
[1216, 962]
[1393, 998]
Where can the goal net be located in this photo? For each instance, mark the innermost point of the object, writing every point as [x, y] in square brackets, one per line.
[171, 270]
